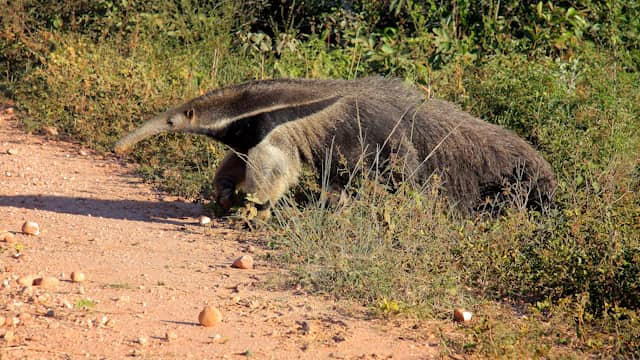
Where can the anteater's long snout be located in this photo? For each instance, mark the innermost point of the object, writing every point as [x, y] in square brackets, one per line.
[152, 127]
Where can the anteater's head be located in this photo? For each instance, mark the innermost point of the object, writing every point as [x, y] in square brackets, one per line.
[197, 116]
[238, 116]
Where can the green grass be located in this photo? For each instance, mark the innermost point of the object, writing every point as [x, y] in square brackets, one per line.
[561, 284]
[387, 250]
[85, 304]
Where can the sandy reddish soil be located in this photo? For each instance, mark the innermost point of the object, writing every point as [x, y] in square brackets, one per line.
[150, 269]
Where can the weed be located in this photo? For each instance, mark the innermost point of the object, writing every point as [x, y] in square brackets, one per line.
[19, 247]
[85, 304]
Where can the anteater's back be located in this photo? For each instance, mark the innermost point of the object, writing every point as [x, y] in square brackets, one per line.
[475, 159]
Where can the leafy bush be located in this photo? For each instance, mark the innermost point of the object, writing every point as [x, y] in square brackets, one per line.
[93, 91]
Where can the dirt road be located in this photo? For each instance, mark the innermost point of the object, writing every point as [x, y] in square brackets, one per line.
[150, 269]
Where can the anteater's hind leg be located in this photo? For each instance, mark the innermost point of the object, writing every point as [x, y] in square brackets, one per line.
[229, 177]
[271, 170]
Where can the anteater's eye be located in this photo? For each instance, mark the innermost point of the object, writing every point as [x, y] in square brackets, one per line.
[189, 113]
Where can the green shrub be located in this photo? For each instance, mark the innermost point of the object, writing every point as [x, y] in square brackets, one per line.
[93, 92]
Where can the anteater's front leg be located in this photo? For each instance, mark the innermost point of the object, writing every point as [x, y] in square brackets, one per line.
[271, 171]
[229, 177]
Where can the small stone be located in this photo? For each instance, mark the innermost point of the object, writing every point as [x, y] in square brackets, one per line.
[50, 313]
[31, 228]
[12, 151]
[83, 152]
[204, 220]
[46, 282]
[77, 276]
[209, 316]
[243, 262]
[461, 315]
[142, 340]
[26, 280]
[43, 299]
[7, 237]
[2, 320]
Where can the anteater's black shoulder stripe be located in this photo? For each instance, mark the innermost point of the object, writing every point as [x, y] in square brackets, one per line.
[247, 132]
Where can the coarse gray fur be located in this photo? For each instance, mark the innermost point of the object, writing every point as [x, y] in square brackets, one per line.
[273, 127]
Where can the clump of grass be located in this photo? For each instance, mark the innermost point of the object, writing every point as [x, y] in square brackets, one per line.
[85, 304]
[391, 251]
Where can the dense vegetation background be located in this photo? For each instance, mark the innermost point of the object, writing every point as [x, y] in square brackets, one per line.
[562, 74]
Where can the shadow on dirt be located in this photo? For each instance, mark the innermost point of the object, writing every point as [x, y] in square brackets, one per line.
[161, 212]
[176, 322]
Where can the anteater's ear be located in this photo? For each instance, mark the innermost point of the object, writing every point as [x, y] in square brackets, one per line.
[189, 114]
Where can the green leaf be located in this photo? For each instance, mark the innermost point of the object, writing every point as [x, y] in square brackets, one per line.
[539, 8]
